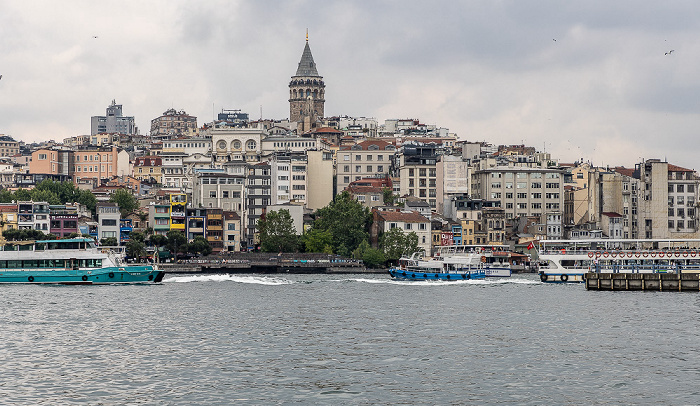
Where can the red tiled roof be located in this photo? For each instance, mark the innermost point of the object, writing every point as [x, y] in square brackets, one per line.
[624, 171]
[674, 168]
[365, 189]
[409, 217]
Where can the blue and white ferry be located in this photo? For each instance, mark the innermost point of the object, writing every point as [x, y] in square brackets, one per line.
[570, 260]
[495, 259]
[444, 269]
[75, 261]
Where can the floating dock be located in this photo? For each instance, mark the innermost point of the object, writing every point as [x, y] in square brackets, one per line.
[659, 282]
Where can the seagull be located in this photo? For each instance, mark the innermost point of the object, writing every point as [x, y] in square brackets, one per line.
[554, 40]
[94, 36]
[669, 52]
[0, 76]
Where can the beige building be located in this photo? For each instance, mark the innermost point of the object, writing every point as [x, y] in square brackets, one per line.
[173, 124]
[367, 159]
[236, 144]
[522, 191]
[8, 146]
[453, 178]
[668, 200]
[407, 221]
[232, 231]
[149, 169]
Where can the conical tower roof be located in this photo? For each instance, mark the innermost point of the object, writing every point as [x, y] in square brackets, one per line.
[307, 66]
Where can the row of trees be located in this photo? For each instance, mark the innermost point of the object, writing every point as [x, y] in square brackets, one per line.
[174, 241]
[340, 228]
[53, 193]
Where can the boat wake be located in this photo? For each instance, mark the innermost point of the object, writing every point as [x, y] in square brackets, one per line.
[482, 282]
[258, 280]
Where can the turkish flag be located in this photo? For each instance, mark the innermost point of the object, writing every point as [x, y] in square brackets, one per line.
[530, 246]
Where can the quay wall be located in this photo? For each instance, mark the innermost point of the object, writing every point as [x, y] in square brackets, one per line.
[659, 282]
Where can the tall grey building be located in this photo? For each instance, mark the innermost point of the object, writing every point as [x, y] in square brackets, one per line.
[113, 122]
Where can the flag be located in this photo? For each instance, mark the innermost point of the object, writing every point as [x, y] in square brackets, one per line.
[530, 246]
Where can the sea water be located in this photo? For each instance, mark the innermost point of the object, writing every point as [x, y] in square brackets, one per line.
[346, 339]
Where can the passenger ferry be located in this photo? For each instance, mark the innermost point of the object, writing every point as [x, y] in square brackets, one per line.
[495, 259]
[71, 261]
[570, 260]
[445, 269]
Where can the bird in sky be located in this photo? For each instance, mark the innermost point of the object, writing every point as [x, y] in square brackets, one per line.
[0, 76]
[94, 36]
[554, 40]
[669, 52]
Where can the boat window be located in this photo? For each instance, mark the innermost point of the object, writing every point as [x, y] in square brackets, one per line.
[14, 264]
[30, 263]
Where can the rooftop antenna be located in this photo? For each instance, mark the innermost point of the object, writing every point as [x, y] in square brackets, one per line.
[261, 112]
[307, 35]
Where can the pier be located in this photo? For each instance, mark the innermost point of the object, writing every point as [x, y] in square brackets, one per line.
[659, 282]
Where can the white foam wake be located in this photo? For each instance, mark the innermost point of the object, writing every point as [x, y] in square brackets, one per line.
[487, 281]
[259, 280]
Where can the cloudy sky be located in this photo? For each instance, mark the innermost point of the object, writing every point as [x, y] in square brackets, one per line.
[586, 79]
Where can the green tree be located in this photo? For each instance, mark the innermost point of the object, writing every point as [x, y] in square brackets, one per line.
[372, 257]
[125, 200]
[135, 248]
[199, 246]
[86, 198]
[158, 240]
[318, 241]
[109, 241]
[395, 243]
[277, 232]
[48, 196]
[22, 195]
[347, 221]
[6, 196]
[177, 242]
[26, 235]
[388, 196]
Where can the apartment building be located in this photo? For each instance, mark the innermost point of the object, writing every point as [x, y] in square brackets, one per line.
[367, 159]
[173, 124]
[668, 200]
[148, 169]
[522, 191]
[108, 217]
[232, 231]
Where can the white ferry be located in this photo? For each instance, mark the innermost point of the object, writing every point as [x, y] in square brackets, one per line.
[495, 259]
[75, 261]
[570, 260]
[416, 267]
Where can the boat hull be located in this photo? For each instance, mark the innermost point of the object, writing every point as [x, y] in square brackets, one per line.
[109, 275]
[426, 276]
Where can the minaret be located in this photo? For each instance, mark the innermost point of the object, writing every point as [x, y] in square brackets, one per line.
[306, 93]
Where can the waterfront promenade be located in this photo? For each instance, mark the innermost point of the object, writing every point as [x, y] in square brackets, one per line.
[259, 262]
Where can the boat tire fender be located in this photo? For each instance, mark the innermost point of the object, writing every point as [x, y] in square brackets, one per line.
[84, 278]
[30, 279]
[413, 275]
[437, 276]
[111, 274]
[448, 276]
[564, 277]
[425, 275]
[464, 276]
[543, 277]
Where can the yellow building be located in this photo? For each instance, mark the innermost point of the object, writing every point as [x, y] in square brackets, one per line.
[148, 169]
[178, 205]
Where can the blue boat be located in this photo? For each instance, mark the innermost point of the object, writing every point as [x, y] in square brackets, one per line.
[75, 261]
[444, 269]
